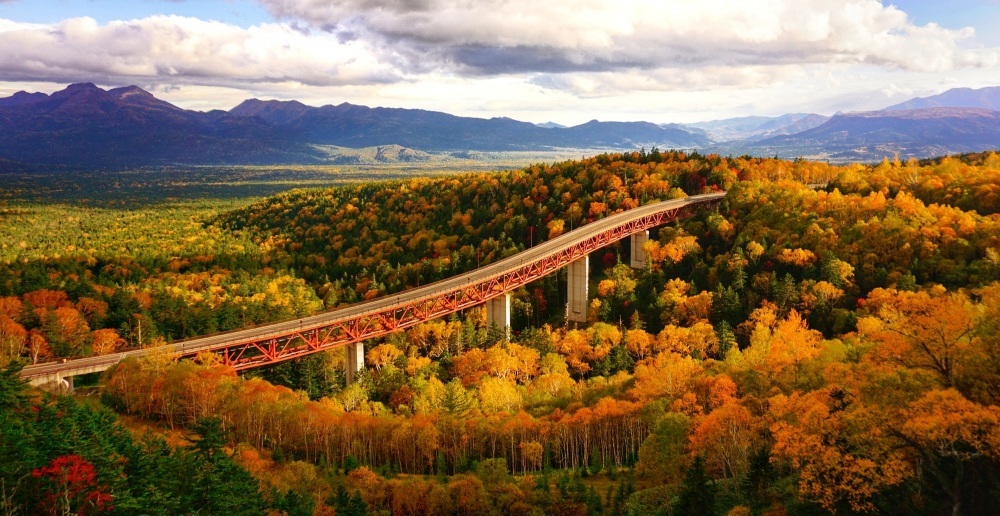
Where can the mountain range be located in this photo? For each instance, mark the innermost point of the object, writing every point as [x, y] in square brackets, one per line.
[873, 135]
[759, 127]
[89, 127]
[986, 98]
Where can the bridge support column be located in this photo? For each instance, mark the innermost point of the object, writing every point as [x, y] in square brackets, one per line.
[578, 290]
[55, 383]
[638, 260]
[355, 360]
[498, 312]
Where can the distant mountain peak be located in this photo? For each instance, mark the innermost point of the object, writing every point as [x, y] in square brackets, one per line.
[127, 91]
[257, 103]
[986, 98]
[80, 86]
[82, 89]
[23, 98]
[271, 111]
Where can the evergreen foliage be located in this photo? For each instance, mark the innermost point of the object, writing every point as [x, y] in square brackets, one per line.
[697, 494]
[98, 458]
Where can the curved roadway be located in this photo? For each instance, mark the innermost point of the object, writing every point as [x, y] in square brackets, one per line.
[432, 290]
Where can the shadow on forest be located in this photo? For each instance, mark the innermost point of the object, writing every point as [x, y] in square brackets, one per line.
[142, 188]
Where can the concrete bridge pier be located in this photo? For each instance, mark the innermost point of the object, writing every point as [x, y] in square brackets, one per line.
[578, 276]
[498, 312]
[53, 383]
[355, 359]
[638, 260]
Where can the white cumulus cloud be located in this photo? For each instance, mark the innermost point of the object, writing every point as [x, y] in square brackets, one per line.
[174, 49]
[504, 36]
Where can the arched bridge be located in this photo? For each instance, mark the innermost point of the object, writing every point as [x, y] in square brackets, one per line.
[350, 325]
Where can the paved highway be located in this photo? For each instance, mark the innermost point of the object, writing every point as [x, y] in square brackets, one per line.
[344, 313]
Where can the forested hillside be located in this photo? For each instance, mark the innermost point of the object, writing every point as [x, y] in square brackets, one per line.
[799, 351]
[421, 230]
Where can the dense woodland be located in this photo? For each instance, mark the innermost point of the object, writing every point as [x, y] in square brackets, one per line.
[798, 351]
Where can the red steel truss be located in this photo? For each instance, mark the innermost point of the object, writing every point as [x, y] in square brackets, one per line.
[336, 331]
[276, 342]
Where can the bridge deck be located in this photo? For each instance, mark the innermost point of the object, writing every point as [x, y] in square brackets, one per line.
[256, 346]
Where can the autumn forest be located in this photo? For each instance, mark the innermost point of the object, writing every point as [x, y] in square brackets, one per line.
[799, 350]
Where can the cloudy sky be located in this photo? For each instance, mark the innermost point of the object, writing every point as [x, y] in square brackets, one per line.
[567, 61]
